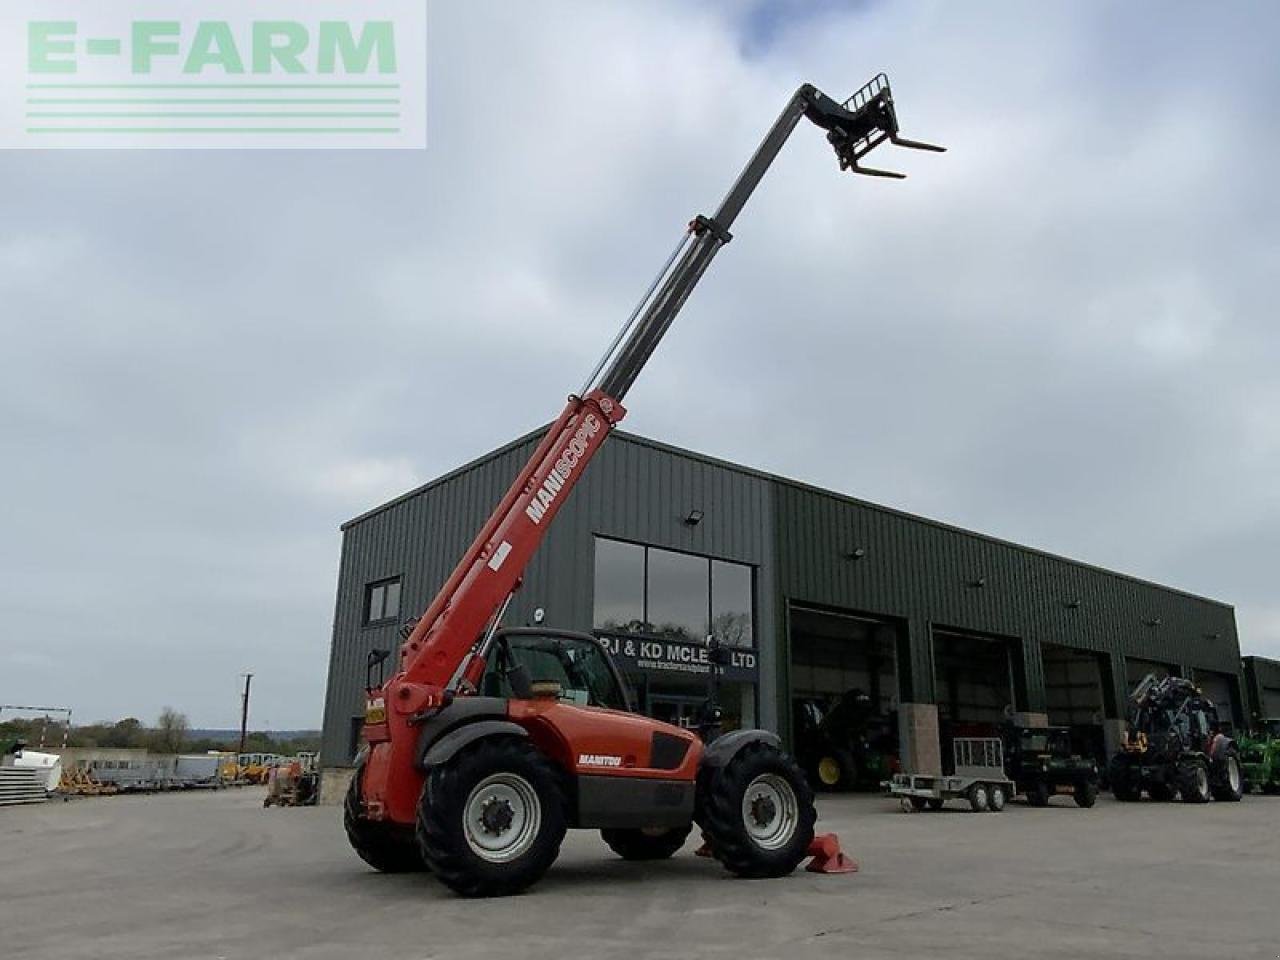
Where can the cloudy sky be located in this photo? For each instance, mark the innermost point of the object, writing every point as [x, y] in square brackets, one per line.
[1062, 332]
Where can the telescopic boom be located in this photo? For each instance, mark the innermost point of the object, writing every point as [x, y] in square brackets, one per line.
[445, 651]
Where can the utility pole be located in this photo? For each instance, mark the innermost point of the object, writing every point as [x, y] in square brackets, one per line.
[244, 712]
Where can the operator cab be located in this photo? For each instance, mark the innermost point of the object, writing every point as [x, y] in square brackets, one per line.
[538, 662]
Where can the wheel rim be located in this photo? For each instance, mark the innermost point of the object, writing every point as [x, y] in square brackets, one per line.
[503, 816]
[997, 798]
[1233, 774]
[829, 771]
[980, 798]
[770, 811]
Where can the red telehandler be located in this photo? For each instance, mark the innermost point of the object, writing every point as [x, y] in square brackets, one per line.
[488, 743]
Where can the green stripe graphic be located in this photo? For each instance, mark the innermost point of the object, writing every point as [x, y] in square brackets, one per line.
[213, 129]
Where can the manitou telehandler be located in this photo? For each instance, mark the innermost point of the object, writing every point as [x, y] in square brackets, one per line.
[488, 743]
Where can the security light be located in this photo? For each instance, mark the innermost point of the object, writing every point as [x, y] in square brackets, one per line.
[857, 553]
[1071, 604]
[694, 518]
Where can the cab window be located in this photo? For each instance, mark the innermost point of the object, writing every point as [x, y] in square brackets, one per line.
[576, 665]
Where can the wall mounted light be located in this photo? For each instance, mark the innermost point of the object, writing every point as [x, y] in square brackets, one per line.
[978, 583]
[857, 553]
[1153, 622]
[1213, 636]
[1071, 604]
[694, 517]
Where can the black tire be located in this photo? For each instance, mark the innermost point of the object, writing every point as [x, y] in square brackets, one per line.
[1228, 784]
[979, 798]
[1125, 787]
[918, 803]
[935, 803]
[642, 844]
[835, 770]
[996, 797]
[1193, 781]
[383, 847]
[528, 801]
[1161, 792]
[1038, 794]
[784, 796]
[1086, 793]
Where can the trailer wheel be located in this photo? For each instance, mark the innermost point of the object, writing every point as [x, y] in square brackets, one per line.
[1086, 793]
[995, 798]
[491, 820]
[757, 812]
[1193, 781]
[644, 843]
[979, 799]
[382, 847]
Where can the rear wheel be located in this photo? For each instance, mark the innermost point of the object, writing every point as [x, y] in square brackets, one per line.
[979, 798]
[995, 797]
[757, 812]
[646, 843]
[1038, 794]
[1193, 781]
[1161, 792]
[380, 845]
[491, 820]
[1086, 793]
[1124, 785]
[1229, 786]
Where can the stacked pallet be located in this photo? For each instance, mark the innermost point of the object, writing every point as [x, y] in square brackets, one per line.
[21, 785]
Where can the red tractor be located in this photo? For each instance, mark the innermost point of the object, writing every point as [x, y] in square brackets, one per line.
[487, 744]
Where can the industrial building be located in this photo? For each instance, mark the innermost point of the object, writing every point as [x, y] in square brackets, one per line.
[1262, 688]
[818, 593]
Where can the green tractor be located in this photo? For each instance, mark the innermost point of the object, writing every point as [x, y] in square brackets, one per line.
[1260, 757]
[843, 744]
[1042, 764]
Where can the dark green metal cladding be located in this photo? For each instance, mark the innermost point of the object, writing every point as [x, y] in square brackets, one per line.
[804, 544]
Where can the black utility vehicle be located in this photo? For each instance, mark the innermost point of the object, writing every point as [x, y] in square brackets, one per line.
[1040, 761]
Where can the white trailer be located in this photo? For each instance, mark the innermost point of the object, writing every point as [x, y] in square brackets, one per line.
[979, 778]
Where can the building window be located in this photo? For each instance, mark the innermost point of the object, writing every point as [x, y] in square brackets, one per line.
[619, 597]
[679, 596]
[731, 597]
[382, 601]
[678, 587]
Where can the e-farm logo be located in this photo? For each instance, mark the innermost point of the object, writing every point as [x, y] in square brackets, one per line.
[213, 73]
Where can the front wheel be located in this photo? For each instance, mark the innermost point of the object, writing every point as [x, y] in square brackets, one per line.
[491, 820]
[1038, 794]
[1086, 793]
[836, 770]
[757, 812]
[1193, 781]
[646, 843]
[979, 798]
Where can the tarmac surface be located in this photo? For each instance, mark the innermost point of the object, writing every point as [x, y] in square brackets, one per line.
[214, 875]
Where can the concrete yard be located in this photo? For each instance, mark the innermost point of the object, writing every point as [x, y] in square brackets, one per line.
[213, 875]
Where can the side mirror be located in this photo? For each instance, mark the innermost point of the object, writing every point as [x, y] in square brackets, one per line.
[521, 683]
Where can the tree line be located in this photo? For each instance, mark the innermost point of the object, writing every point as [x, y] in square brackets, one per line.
[169, 734]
